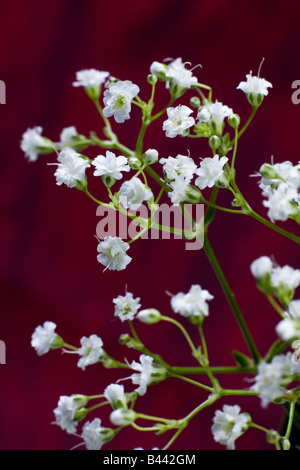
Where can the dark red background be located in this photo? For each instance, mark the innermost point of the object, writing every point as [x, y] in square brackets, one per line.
[48, 265]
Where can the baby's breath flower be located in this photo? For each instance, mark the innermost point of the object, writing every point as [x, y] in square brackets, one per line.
[33, 143]
[255, 89]
[126, 306]
[112, 253]
[114, 393]
[90, 351]
[110, 165]
[210, 172]
[133, 193]
[192, 304]
[229, 424]
[71, 168]
[92, 434]
[44, 338]
[179, 121]
[117, 100]
[65, 413]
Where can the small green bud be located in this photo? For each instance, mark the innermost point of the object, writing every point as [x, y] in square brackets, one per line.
[214, 142]
[134, 163]
[152, 79]
[149, 157]
[286, 444]
[149, 316]
[193, 195]
[272, 436]
[195, 102]
[268, 171]
[81, 414]
[234, 121]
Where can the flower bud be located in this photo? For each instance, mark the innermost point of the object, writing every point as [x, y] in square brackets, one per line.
[267, 171]
[234, 120]
[152, 79]
[122, 417]
[149, 157]
[149, 316]
[195, 102]
[214, 142]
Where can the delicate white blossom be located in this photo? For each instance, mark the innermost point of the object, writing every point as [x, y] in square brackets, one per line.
[110, 165]
[210, 172]
[229, 424]
[282, 202]
[92, 434]
[133, 193]
[66, 410]
[180, 166]
[194, 303]
[126, 306]
[114, 393]
[33, 143]
[112, 253]
[90, 351]
[71, 168]
[269, 379]
[289, 327]
[90, 78]
[214, 114]
[286, 277]
[180, 75]
[67, 135]
[255, 88]
[117, 100]
[261, 267]
[143, 377]
[179, 191]
[179, 121]
[44, 338]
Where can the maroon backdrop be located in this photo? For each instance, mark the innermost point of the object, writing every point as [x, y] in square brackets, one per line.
[48, 265]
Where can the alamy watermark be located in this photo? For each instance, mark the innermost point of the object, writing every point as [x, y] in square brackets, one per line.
[2, 352]
[163, 221]
[2, 92]
[296, 94]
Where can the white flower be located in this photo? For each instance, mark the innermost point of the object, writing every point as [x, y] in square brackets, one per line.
[110, 165]
[44, 338]
[180, 75]
[32, 143]
[159, 69]
[90, 78]
[268, 381]
[261, 267]
[112, 253]
[178, 121]
[92, 434]
[294, 309]
[66, 410]
[67, 135]
[126, 306]
[255, 88]
[280, 172]
[117, 100]
[289, 327]
[91, 351]
[144, 369]
[214, 114]
[229, 424]
[193, 303]
[180, 166]
[280, 202]
[286, 277]
[210, 172]
[71, 169]
[122, 417]
[114, 393]
[133, 193]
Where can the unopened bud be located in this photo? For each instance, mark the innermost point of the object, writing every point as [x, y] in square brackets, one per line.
[152, 79]
[149, 157]
[195, 102]
[234, 121]
[134, 163]
[268, 171]
[122, 417]
[149, 316]
[214, 142]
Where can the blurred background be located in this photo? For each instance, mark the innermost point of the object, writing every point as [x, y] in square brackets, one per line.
[48, 268]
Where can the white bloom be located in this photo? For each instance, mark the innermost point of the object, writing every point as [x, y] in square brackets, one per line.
[229, 424]
[280, 172]
[159, 69]
[133, 193]
[67, 135]
[90, 78]
[214, 114]
[180, 166]
[92, 434]
[110, 165]
[180, 75]
[71, 169]
[294, 309]
[126, 306]
[143, 377]
[180, 188]
[44, 337]
[280, 202]
[193, 303]
[268, 381]
[117, 100]
[114, 393]
[210, 172]
[179, 121]
[91, 351]
[261, 267]
[122, 417]
[286, 277]
[66, 410]
[255, 85]
[112, 253]
[32, 143]
[289, 327]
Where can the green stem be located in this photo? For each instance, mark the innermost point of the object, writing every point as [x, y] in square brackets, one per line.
[193, 382]
[275, 305]
[274, 227]
[184, 332]
[231, 299]
[291, 419]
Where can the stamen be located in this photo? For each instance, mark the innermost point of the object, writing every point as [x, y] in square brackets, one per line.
[259, 68]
